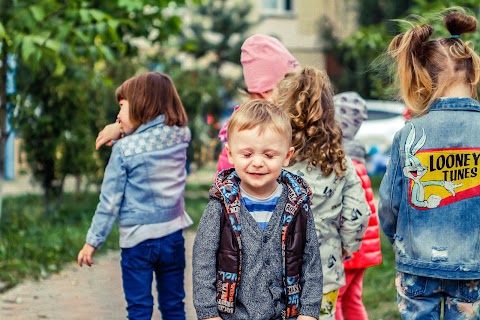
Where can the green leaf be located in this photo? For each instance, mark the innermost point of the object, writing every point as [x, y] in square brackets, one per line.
[53, 45]
[130, 5]
[28, 47]
[107, 53]
[3, 33]
[59, 68]
[38, 13]
[84, 16]
[82, 36]
[97, 15]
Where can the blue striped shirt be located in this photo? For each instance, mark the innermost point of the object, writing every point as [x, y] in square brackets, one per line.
[261, 209]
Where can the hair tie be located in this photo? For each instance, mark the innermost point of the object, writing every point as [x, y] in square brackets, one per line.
[455, 36]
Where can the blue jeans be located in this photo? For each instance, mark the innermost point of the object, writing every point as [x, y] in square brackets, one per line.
[420, 298]
[166, 258]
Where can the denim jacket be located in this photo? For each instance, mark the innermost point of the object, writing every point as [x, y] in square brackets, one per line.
[430, 195]
[144, 181]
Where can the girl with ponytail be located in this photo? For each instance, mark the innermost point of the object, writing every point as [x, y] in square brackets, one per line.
[430, 194]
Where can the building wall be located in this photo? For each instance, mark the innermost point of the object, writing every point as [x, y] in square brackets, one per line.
[299, 31]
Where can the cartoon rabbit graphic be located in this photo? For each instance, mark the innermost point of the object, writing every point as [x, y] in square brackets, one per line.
[414, 170]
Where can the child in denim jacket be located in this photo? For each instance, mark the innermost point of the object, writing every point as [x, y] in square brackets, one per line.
[255, 254]
[143, 187]
[429, 196]
[339, 206]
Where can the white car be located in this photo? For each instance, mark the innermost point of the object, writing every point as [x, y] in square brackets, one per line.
[385, 118]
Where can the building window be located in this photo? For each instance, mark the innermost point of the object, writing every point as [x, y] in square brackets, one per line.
[277, 6]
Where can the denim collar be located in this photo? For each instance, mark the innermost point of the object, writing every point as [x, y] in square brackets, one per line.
[455, 103]
[154, 122]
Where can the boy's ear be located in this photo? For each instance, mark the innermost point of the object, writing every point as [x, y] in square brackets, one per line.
[229, 153]
[289, 156]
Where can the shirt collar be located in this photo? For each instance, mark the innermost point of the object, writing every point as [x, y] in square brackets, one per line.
[154, 122]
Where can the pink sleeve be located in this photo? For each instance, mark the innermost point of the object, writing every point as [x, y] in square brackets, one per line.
[222, 134]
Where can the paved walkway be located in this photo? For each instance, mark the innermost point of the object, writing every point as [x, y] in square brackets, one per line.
[82, 293]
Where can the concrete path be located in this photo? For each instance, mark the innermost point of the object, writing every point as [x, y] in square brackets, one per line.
[82, 293]
[76, 293]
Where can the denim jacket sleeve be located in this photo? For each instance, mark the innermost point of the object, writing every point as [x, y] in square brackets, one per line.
[312, 276]
[355, 211]
[111, 198]
[390, 191]
[204, 259]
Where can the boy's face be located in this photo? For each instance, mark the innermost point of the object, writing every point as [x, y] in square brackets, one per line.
[124, 116]
[258, 159]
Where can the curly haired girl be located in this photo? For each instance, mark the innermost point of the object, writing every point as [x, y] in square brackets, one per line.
[339, 205]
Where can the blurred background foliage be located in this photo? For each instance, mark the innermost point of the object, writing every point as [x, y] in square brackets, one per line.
[358, 63]
[72, 55]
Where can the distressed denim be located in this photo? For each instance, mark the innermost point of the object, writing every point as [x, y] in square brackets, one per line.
[421, 297]
[430, 194]
[166, 258]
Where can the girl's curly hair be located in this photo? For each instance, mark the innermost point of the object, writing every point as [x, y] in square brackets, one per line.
[317, 138]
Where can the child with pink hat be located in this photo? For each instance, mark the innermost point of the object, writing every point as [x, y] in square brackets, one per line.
[265, 61]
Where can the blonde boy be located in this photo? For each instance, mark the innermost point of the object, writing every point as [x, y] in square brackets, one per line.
[256, 253]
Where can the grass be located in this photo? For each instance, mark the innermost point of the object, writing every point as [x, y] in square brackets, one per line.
[379, 293]
[34, 245]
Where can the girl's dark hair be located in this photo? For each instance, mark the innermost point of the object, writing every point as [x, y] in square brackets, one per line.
[151, 94]
[426, 68]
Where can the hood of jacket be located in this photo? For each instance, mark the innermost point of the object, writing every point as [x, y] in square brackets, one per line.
[227, 185]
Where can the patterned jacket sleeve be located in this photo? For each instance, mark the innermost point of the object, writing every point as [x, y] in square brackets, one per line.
[312, 276]
[355, 211]
[205, 249]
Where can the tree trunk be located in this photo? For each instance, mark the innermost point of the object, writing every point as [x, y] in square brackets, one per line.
[3, 106]
[3, 115]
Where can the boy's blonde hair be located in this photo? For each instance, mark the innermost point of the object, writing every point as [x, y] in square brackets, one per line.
[262, 114]
[151, 94]
[307, 97]
[425, 68]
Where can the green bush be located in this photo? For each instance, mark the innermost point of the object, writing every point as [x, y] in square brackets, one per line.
[34, 243]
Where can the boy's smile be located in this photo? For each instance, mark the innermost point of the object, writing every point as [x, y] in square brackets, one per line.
[258, 159]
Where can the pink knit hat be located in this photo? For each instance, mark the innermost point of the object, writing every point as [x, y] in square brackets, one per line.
[265, 62]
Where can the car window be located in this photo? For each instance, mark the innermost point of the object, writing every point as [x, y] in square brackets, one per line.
[381, 115]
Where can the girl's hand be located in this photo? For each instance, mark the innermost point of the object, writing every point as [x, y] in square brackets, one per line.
[85, 255]
[110, 132]
[305, 318]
